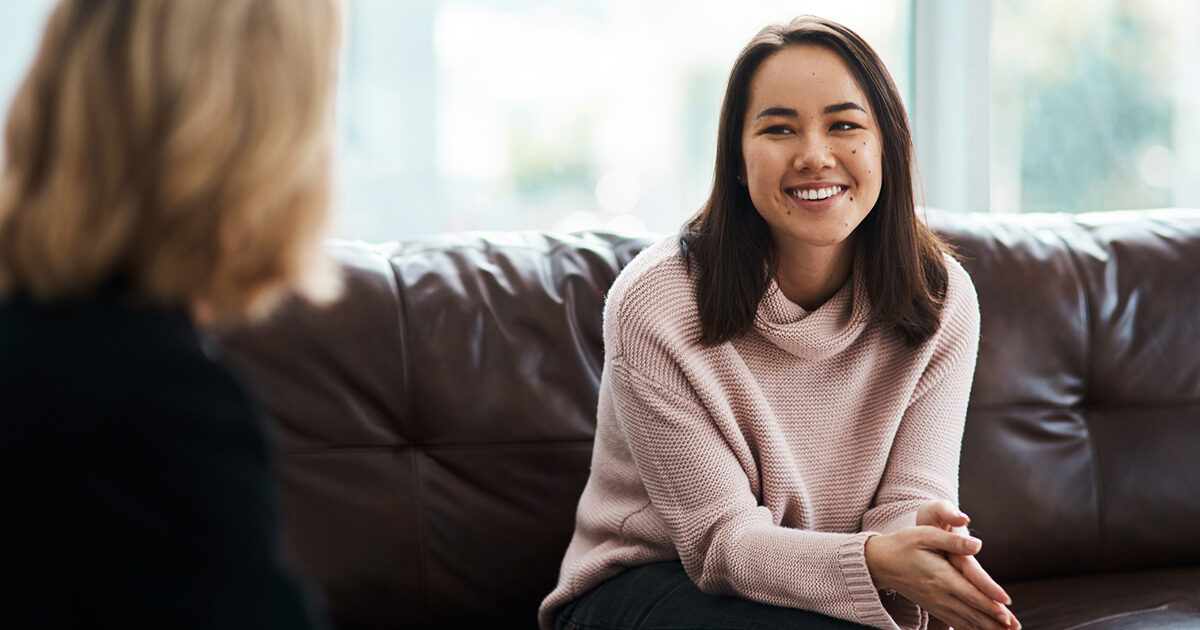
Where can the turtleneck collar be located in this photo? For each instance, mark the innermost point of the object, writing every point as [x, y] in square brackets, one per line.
[820, 333]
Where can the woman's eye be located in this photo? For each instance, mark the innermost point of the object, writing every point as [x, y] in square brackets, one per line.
[778, 129]
[844, 126]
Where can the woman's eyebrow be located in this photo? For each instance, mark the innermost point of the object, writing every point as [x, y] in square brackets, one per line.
[841, 107]
[829, 109]
[777, 111]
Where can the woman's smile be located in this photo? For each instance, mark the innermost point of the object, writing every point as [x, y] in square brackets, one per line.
[816, 197]
[811, 152]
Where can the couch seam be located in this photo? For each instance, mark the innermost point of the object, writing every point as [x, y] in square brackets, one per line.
[1089, 379]
[413, 453]
[402, 329]
[422, 577]
[556, 240]
[1137, 404]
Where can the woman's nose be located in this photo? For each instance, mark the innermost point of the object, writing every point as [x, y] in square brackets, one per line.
[813, 154]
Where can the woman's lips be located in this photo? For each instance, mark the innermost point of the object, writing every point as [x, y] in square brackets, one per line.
[816, 205]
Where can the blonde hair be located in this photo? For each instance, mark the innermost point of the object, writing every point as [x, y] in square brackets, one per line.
[179, 146]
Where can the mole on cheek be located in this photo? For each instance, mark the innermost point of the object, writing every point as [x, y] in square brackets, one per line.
[854, 150]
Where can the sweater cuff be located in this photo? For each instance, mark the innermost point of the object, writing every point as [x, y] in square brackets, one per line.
[868, 609]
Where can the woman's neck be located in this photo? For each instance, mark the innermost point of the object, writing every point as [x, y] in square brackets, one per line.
[809, 276]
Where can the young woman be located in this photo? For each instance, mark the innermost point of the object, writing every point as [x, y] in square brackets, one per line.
[166, 168]
[785, 383]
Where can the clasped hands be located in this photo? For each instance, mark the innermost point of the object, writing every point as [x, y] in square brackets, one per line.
[935, 568]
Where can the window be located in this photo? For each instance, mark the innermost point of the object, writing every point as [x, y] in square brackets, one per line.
[1095, 105]
[515, 114]
[477, 114]
[574, 114]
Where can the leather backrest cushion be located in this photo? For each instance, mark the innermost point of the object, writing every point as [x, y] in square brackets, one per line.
[332, 381]
[434, 426]
[1082, 446]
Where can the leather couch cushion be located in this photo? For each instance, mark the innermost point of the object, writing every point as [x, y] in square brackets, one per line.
[1082, 446]
[1143, 600]
[434, 426]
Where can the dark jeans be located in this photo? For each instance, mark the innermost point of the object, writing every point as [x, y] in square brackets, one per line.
[661, 596]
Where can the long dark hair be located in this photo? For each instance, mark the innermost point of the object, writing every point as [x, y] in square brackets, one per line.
[727, 242]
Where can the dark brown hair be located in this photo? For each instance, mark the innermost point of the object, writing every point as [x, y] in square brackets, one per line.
[727, 242]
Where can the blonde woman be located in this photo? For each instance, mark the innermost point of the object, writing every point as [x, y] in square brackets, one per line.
[166, 170]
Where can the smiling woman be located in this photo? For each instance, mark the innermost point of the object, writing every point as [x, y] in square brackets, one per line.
[785, 383]
[817, 156]
[850, 128]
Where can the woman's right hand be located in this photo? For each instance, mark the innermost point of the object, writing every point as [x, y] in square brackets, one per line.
[913, 562]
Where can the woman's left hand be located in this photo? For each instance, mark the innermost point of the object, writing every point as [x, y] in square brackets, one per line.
[943, 515]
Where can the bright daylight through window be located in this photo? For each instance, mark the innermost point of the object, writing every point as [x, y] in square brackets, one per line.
[1095, 105]
[475, 114]
[523, 114]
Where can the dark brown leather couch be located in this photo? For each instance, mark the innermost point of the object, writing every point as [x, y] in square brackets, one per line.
[434, 427]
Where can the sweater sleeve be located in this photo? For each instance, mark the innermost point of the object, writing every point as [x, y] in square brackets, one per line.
[923, 462]
[728, 543]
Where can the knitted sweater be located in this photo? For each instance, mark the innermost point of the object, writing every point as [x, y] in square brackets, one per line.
[765, 463]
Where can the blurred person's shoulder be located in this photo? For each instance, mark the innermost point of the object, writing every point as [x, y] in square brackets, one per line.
[104, 363]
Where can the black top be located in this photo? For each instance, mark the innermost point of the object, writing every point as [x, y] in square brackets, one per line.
[134, 479]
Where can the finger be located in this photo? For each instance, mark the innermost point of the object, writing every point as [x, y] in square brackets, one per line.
[941, 540]
[979, 618]
[951, 515]
[971, 569]
[941, 514]
[982, 606]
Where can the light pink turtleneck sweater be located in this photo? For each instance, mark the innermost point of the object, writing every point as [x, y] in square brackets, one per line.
[765, 463]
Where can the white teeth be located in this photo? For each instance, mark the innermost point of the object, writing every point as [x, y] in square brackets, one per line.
[818, 193]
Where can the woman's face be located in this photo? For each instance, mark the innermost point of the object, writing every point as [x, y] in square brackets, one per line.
[811, 150]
